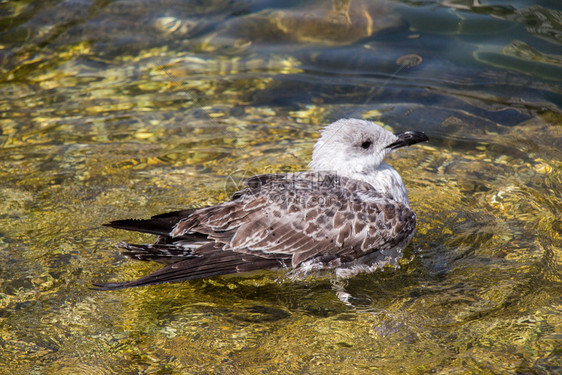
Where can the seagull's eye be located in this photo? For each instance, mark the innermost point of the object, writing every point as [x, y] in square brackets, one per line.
[366, 144]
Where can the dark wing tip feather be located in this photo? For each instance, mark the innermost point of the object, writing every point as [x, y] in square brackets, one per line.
[216, 264]
[146, 226]
[160, 224]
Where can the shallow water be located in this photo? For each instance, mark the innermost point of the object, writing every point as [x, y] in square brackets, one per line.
[116, 109]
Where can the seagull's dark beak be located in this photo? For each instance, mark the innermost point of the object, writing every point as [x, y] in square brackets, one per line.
[408, 139]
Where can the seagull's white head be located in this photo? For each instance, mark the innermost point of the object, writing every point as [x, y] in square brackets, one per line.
[352, 146]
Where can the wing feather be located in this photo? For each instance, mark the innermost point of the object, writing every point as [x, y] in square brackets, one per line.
[276, 220]
[214, 263]
[299, 215]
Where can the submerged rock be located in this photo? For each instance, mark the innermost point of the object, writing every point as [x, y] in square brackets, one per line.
[318, 22]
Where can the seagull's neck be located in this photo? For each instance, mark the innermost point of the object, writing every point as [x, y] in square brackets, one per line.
[384, 179]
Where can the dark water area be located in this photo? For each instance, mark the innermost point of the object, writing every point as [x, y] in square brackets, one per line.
[118, 109]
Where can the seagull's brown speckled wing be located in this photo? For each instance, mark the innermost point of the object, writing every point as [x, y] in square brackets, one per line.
[277, 220]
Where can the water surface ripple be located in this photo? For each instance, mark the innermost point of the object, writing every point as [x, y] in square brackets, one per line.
[116, 109]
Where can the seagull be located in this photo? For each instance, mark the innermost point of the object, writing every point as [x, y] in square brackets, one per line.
[348, 214]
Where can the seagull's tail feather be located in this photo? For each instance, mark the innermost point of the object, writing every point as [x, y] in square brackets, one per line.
[161, 252]
[213, 264]
[159, 224]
